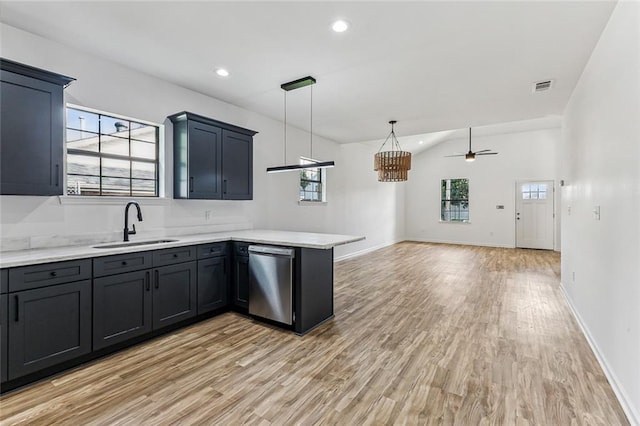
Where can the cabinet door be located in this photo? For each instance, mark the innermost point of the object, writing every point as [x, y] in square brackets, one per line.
[31, 136]
[212, 284]
[3, 337]
[237, 166]
[121, 307]
[241, 282]
[205, 161]
[174, 294]
[48, 326]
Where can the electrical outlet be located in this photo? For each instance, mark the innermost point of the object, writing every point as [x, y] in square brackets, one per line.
[207, 215]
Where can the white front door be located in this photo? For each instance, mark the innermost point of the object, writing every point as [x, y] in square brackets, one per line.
[534, 214]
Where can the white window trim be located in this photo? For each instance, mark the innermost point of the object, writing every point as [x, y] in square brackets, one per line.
[161, 199]
[78, 200]
[312, 203]
[323, 179]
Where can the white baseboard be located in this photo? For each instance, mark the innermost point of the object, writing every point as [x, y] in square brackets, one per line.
[365, 251]
[461, 243]
[629, 409]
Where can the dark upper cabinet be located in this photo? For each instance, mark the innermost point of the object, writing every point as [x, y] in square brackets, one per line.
[32, 130]
[174, 294]
[121, 307]
[212, 160]
[48, 326]
[237, 160]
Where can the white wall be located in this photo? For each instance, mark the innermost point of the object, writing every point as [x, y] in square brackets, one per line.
[601, 165]
[492, 180]
[28, 222]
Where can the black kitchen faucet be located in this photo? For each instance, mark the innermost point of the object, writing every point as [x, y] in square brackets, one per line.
[127, 232]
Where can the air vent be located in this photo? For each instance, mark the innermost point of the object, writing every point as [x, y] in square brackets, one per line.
[542, 86]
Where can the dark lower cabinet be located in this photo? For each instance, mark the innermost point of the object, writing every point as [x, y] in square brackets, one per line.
[3, 337]
[174, 294]
[212, 284]
[241, 282]
[48, 326]
[121, 307]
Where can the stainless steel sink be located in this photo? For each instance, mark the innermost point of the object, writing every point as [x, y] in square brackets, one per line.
[133, 244]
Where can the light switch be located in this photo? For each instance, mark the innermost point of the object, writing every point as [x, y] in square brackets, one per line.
[500, 207]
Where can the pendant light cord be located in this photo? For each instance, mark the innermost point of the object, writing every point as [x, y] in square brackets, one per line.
[311, 126]
[285, 128]
[394, 140]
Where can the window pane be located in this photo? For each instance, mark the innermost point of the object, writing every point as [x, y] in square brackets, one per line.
[115, 186]
[534, 187]
[143, 170]
[115, 168]
[525, 195]
[82, 120]
[542, 187]
[83, 185]
[113, 145]
[526, 188]
[114, 126]
[542, 195]
[145, 188]
[143, 133]
[82, 140]
[83, 165]
[534, 195]
[143, 150]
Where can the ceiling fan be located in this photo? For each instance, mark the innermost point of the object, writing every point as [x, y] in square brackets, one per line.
[471, 156]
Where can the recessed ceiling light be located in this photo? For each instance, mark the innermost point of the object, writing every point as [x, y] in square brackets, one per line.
[222, 72]
[340, 26]
[420, 142]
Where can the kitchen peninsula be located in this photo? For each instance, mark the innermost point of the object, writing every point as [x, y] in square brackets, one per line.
[63, 306]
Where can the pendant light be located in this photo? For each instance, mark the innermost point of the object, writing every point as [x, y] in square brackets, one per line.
[394, 165]
[292, 85]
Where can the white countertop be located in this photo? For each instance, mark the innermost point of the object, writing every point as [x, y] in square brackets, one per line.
[282, 238]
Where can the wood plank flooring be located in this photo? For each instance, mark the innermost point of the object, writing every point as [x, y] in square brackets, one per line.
[423, 334]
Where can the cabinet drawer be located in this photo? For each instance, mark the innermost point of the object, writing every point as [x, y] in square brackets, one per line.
[174, 255]
[110, 265]
[212, 250]
[4, 281]
[241, 249]
[36, 276]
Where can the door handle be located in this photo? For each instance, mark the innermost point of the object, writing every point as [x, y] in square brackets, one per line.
[57, 175]
[17, 308]
[224, 186]
[157, 284]
[191, 184]
[146, 281]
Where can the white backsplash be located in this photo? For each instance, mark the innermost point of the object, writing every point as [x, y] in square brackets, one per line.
[51, 241]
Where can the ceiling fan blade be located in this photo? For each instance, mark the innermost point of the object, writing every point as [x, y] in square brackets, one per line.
[483, 150]
[456, 155]
[487, 153]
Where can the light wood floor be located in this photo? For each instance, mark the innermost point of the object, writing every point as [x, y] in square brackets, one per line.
[423, 334]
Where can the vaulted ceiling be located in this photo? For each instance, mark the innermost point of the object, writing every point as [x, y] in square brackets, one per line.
[433, 66]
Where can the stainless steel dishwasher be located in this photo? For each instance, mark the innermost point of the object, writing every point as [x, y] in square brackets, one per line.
[271, 283]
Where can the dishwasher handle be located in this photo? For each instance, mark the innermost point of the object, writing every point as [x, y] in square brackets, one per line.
[273, 251]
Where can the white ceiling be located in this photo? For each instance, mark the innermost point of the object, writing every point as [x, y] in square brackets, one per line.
[433, 66]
